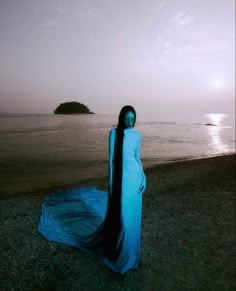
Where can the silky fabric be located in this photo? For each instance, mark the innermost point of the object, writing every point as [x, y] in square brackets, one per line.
[76, 216]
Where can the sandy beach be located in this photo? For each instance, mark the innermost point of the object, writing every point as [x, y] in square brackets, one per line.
[188, 236]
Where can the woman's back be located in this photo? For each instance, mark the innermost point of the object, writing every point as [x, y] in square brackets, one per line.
[131, 146]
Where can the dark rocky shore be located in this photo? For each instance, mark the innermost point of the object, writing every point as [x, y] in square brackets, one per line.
[188, 236]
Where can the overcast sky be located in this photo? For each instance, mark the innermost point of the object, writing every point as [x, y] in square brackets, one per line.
[161, 56]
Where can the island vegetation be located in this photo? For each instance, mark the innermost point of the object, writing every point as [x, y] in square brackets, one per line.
[72, 108]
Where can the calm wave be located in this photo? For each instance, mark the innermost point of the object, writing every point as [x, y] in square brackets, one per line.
[46, 149]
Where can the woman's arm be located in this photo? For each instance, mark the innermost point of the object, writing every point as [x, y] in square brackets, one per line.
[137, 157]
[112, 137]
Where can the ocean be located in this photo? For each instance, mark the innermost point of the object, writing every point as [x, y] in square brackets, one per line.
[39, 151]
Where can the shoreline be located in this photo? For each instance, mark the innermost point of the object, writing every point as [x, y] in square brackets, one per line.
[188, 236]
[101, 181]
[191, 159]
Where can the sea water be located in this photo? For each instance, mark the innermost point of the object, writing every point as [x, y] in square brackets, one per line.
[40, 151]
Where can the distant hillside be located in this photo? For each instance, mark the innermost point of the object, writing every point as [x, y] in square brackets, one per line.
[72, 108]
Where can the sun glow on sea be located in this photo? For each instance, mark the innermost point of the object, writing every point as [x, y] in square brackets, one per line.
[215, 128]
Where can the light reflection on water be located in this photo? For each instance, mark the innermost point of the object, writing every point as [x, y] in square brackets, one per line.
[215, 128]
[38, 151]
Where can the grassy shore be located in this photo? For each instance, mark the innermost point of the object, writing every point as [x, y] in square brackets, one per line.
[188, 236]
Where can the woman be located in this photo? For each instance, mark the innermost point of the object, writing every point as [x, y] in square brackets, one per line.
[78, 217]
[126, 184]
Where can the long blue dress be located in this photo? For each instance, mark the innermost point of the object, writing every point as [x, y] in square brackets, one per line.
[76, 216]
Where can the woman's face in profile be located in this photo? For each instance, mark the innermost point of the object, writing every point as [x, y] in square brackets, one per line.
[129, 119]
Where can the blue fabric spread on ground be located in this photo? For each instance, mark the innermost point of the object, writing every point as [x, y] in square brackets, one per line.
[76, 216]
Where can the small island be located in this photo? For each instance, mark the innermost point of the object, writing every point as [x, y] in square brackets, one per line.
[72, 108]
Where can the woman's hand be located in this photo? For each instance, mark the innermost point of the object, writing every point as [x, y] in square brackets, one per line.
[109, 188]
[143, 185]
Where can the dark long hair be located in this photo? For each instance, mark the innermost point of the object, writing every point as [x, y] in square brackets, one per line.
[118, 151]
[112, 226]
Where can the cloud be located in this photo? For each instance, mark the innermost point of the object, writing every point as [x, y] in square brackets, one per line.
[62, 10]
[210, 47]
[50, 23]
[168, 44]
[35, 9]
[87, 13]
[162, 4]
[181, 19]
[186, 21]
